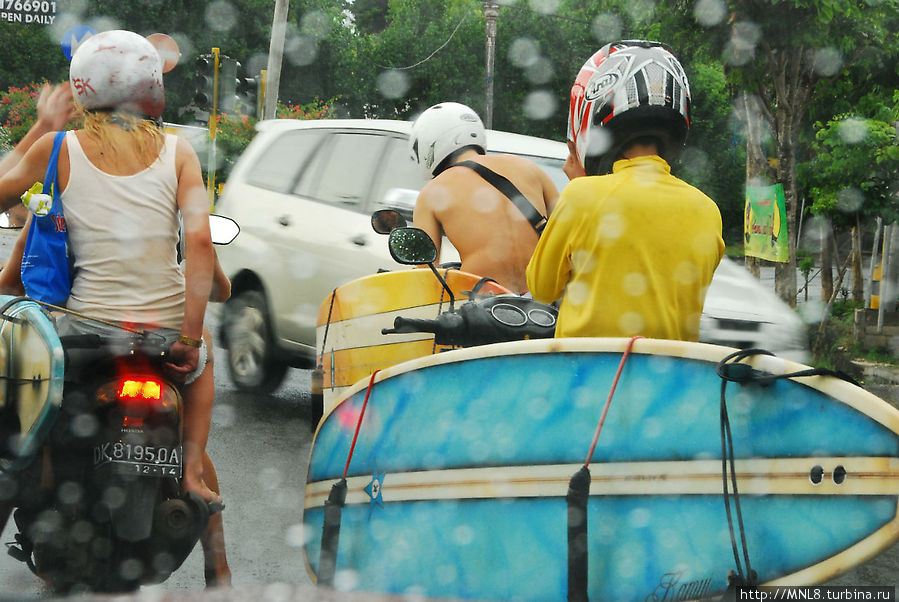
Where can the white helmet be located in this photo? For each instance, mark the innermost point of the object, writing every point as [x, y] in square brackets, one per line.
[441, 131]
[118, 69]
[628, 90]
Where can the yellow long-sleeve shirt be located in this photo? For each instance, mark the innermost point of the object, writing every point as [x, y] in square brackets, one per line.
[633, 252]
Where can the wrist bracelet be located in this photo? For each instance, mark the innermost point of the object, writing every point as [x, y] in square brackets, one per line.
[183, 338]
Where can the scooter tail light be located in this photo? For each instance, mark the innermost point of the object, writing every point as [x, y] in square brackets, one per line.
[137, 396]
[149, 390]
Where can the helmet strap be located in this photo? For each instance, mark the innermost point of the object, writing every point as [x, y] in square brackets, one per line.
[451, 158]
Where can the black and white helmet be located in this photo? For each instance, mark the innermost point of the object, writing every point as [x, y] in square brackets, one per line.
[626, 91]
[441, 131]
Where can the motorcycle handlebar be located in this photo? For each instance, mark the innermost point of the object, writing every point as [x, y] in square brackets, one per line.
[448, 329]
[403, 325]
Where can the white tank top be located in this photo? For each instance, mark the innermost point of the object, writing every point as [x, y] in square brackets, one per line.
[123, 231]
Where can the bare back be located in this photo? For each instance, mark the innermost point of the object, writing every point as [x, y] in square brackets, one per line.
[492, 236]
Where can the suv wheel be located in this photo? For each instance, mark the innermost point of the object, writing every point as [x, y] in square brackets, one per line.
[252, 364]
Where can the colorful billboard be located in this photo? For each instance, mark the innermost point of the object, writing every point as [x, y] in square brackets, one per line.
[765, 223]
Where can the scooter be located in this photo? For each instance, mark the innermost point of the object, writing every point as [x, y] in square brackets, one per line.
[96, 479]
[357, 332]
[482, 319]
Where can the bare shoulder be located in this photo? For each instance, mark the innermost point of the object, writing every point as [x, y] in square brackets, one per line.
[185, 155]
[183, 147]
[510, 162]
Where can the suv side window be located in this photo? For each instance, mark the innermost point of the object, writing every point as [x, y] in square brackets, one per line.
[342, 174]
[277, 167]
[398, 171]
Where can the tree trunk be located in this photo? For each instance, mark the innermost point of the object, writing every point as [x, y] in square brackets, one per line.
[826, 260]
[785, 273]
[858, 283]
[758, 170]
[793, 77]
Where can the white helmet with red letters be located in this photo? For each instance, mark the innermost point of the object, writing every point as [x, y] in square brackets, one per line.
[118, 70]
[628, 90]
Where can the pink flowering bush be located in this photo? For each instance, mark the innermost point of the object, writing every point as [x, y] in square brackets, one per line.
[18, 110]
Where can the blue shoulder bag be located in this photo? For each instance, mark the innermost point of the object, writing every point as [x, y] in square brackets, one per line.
[46, 273]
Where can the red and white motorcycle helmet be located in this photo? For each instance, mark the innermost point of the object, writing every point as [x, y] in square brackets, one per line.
[441, 131]
[118, 69]
[626, 91]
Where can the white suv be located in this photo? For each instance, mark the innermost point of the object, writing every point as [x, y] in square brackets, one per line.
[303, 193]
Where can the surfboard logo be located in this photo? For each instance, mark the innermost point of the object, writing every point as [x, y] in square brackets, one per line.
[373, 489]
[671, 588]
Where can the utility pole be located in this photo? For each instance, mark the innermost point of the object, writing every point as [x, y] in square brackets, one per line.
[213, 126]
[275, 56]
[491, 12]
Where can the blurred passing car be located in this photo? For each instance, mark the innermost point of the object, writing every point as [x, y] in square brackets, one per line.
[303, 193]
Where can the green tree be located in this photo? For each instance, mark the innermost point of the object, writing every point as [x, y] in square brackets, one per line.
[30, 54]
[782, 52]
[852, 178]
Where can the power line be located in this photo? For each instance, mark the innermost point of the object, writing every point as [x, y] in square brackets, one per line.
[430, 56]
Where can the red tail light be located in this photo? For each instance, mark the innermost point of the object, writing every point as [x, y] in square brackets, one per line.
[146, 389]
[137, 395]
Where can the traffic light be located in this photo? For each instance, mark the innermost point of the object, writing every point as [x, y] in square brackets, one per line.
[228, 83]
[203, 81]
[248, 93]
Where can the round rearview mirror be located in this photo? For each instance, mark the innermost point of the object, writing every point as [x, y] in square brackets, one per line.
[8, 222]
[385, 221]
[412, 246]
[223, 229]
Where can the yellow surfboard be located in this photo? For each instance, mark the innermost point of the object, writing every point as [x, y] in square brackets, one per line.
[349, 340]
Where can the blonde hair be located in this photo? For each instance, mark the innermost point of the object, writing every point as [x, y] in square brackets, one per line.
[144, 133]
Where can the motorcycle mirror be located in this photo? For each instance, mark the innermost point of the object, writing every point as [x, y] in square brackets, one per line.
[223, 229]
[411, 246]
[385, 221]
[7, 224]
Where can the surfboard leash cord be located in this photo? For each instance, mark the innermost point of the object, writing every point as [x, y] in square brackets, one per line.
[577, 497]
[327, 558]
[731, 369]
[321, 357]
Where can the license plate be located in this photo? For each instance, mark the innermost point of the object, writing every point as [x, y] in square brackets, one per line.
[148, 460]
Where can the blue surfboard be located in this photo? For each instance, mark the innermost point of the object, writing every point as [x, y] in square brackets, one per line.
[457, 482]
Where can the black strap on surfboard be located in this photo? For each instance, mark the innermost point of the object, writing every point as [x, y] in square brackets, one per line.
[731, 369]
[576, 500]
[537, 221]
